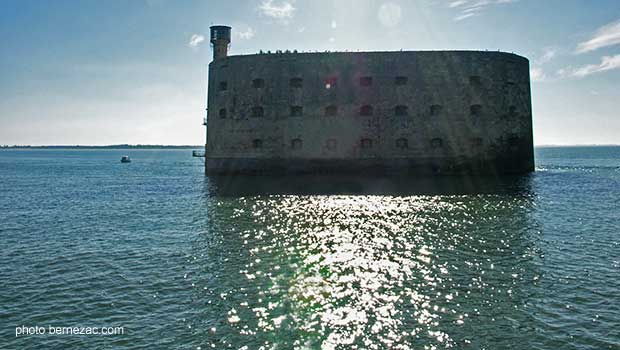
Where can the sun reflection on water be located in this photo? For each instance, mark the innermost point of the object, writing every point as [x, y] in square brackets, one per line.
[360, 272]
[357, 273]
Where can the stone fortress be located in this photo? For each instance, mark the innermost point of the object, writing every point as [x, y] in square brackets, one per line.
[407, 112]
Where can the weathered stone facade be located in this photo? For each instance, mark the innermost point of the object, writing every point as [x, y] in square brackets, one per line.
[394, 112]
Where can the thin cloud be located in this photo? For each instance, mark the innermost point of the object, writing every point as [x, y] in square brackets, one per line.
[607, 35]
[537, 74]
[465, 16]
[471, 8]
[245, 35]
[195, 40]
[607, 63]
[547, 56]
[283, 10]
[458, 3]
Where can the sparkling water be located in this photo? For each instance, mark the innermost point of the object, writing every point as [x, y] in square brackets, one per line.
[184, 261]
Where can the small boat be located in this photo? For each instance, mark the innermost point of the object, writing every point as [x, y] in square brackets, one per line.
[125, 159]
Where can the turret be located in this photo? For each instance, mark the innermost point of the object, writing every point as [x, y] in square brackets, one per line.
[220, 39]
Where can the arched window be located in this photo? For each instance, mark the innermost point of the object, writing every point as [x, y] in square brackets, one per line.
[401, 80]
[436, 109]
[402, 143]
[258, 112]
[365, 81]
[258, 83]
[331, 144]
[366, 110]
[513, 140]
[401, 110]
[223, 113]
[297, 82]
[475, 81]
[297, 111]
[437, 143]
[257, 144]
[296, 143]
[331, 111]
[475, 110]
[366, 143]
[512, 110]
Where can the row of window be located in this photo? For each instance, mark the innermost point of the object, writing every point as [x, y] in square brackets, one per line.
[365, 143]
[331, 82]
[366, 110]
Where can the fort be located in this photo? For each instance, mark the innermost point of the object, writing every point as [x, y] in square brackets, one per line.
[403, 112]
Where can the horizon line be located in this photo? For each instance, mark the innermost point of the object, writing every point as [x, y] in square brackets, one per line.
[200, 146]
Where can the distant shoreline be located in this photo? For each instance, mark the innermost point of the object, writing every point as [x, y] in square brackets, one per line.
[103, 147]
[198, 146]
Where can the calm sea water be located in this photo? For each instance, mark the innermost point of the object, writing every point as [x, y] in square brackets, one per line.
[182, 261]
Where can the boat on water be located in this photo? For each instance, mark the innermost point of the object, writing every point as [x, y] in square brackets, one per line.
[125, 159]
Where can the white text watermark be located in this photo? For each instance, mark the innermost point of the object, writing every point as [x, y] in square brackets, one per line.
[22, 331]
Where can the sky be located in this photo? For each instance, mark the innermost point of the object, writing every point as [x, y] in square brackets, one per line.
[94, 72]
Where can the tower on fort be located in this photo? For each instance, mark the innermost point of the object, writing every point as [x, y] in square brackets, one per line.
[220, 40]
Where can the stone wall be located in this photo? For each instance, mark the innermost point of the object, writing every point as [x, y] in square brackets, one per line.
[418, 112]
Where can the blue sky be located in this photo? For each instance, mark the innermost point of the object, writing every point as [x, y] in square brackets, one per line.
[134, 71]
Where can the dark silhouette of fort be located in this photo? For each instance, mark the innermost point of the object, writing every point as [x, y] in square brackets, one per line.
[407, 112]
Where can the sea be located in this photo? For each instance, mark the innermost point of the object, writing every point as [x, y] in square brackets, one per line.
[157, 255]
